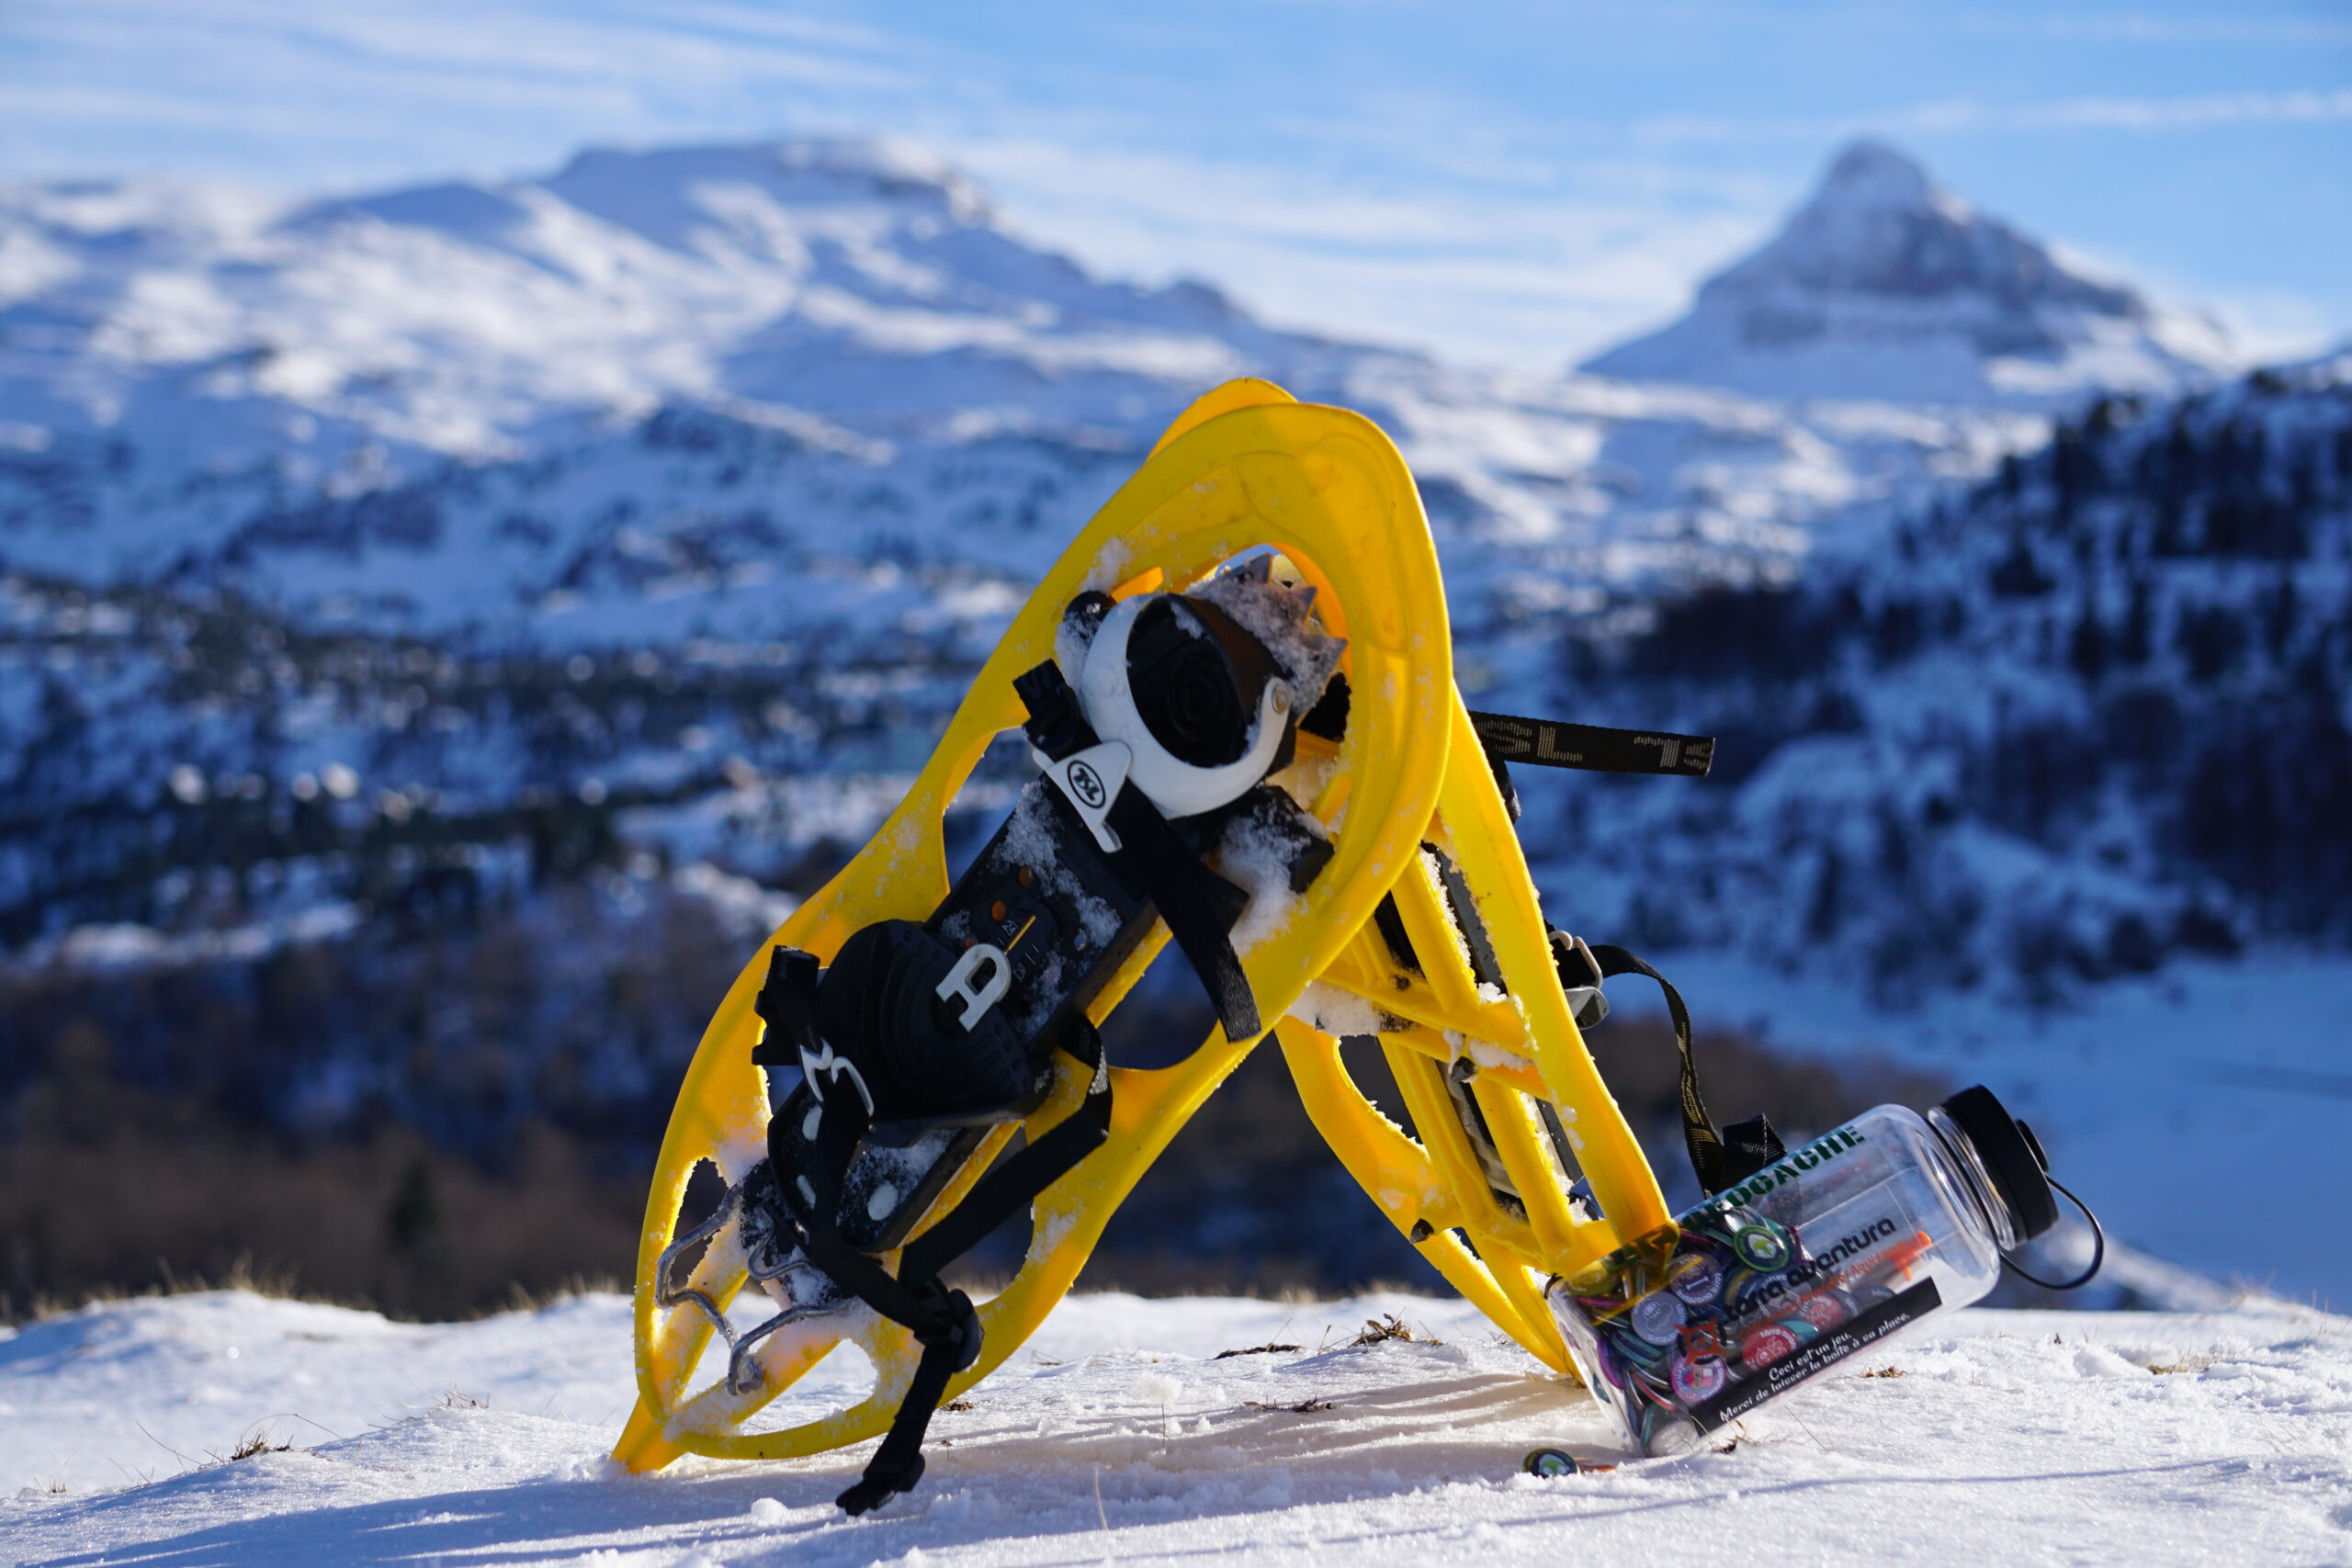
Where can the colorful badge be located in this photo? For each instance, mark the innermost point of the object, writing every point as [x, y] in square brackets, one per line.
[1761, 1248]
[1696, 1277]
[1697, 1377]
[1824, 1310]
[1768, 1345]
[1658, 1315]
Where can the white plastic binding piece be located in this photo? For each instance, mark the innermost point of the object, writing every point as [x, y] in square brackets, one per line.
[1174, 785]
[958, 984]
[835, 1067]
[1090, 780]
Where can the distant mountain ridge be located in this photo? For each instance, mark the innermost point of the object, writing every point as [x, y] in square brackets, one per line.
[500, 407]
[1884, 286]
[478, 319]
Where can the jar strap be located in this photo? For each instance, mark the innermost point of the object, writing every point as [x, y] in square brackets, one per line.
[1721, 1159]
[2099, 1249]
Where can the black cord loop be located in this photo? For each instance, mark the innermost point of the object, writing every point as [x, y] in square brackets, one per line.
[2099, 1249]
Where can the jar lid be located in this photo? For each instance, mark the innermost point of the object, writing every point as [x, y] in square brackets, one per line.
[2012, 1157]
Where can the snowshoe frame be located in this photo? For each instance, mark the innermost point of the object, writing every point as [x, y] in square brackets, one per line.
[1245, 467]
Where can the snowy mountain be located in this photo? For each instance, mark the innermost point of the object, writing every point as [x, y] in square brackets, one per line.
[661, 378]
[2047, 785]
[1119, 1434]
[221, 332]
[1885, 286]
[671, 473]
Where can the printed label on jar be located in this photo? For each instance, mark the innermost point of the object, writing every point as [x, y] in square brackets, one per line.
[1818, 1153]
[1791, 1365]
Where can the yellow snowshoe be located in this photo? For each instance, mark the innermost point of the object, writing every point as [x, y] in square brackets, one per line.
[1521, 1168]
[1238, 686]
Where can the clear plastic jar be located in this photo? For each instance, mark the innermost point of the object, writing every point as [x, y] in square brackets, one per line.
[1888, 1220]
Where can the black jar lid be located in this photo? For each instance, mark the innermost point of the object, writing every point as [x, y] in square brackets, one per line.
[2012, 1157]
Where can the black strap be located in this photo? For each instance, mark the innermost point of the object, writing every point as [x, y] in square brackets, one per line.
[1198, 906]
[898, 1464]
[788, 1006]
[942, 1320]
[1016, 1183]
[1551, 743]
[1719, 1159]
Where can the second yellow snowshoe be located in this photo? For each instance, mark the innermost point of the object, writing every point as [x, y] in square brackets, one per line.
[1519, 1167]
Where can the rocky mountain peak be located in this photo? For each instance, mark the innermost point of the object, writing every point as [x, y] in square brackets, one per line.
[1877, 224]
[1873, 173]
[1885, 286]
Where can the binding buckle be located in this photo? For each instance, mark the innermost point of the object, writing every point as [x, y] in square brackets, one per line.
[957, 985]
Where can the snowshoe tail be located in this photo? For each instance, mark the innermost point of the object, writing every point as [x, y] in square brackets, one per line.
[1519, 1165]
[904, 1027]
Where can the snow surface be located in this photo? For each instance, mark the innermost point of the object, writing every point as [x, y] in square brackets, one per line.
[1115, 1437]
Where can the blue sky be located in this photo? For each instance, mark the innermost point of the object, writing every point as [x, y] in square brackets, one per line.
[1509, 182]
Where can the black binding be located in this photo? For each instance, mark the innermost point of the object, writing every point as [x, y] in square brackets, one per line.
[950, 1329]
[941, 1319]
[1199, 906]
[861, 1028]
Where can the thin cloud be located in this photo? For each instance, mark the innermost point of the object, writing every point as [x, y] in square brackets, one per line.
[2291, 31]
[1962, 115]
[1509, 277]
[452, 51]
[2171, 113]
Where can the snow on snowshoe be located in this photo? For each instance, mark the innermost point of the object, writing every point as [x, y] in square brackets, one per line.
[859, 1085]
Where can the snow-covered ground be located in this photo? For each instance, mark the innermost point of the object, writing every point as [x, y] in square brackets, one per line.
[1118, 1436]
